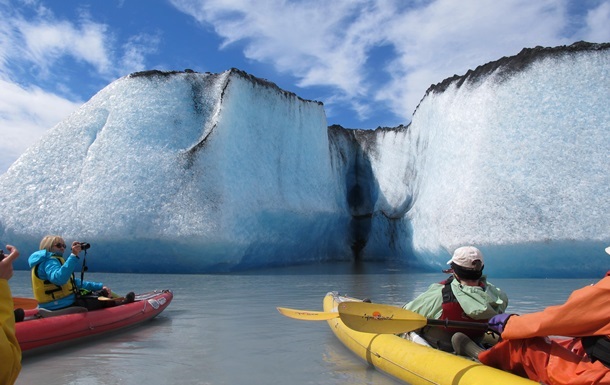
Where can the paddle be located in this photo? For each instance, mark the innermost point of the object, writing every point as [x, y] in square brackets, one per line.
[307, 315]
[24, 303]
[376, 318]
[386, 319]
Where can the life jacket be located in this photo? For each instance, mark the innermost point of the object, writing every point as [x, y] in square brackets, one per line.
[452, 310]
[46, 291]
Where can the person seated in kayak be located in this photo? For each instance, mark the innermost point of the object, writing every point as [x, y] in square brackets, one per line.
[464, 296]
[526, 349]
[10, 352]
[53, 281]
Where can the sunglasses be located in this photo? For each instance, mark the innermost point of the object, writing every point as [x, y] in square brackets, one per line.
[60, 245]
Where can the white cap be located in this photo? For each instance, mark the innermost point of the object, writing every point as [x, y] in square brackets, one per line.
[467, 257]
[608, 249]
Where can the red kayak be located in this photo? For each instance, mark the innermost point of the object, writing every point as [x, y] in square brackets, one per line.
[43, 328]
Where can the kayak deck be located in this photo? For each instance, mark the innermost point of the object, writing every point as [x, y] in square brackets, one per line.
[40, 332]
[413, 363]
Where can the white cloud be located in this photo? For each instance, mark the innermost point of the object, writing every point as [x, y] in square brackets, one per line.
[320, 42]
[27, 111]
[46, 41]
[448, 38]
[135, 52]
[25, 114]
[598, 20]
[42, 41]
[329, 43]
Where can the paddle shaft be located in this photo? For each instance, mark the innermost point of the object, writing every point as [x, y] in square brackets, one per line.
[457, 324]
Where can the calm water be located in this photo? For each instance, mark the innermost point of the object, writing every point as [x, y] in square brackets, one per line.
[225, 330]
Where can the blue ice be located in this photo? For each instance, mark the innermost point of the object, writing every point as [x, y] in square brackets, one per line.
[185, 172]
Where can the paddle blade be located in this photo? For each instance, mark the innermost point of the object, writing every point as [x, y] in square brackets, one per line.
[379, 319]
[24, 303]
[307, 315]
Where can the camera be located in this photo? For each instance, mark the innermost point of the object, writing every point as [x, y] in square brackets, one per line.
[84, 245]
[1, 254]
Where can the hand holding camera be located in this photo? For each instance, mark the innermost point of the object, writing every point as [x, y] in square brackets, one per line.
[77, 247]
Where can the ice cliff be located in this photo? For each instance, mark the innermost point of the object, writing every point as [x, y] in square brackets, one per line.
[189, 172]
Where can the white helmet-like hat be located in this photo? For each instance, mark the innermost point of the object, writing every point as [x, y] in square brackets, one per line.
[468, 257]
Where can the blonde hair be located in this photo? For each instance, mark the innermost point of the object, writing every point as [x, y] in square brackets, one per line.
[50, 240]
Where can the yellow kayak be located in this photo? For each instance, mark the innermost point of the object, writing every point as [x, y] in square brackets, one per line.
[413, 363]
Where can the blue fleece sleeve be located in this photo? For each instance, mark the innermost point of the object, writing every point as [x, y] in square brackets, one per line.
[88, 285]
[55, 272]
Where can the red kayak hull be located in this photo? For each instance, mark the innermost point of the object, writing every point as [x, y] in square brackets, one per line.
[36, 333]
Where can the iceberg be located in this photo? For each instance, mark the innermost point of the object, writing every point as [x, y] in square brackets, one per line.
[512, 157]
[184, 172]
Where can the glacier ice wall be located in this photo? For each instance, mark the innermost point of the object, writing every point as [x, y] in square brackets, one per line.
[512, 157]
[182, 172]
[378, 179]
[186, 172]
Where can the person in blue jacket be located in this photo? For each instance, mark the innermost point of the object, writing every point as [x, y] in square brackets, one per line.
[53, 281]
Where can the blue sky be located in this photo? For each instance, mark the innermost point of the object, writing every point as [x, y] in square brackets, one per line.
[369, 61]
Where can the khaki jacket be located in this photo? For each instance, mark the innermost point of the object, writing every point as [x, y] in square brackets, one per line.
[477, 302]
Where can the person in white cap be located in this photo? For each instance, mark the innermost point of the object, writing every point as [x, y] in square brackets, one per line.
[464, 296]
[583, 359]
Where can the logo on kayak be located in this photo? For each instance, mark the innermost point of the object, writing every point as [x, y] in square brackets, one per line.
[377, 316]
[154, 303]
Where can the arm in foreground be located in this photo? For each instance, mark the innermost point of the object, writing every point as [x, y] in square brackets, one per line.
[583, 314]
[10, 352]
